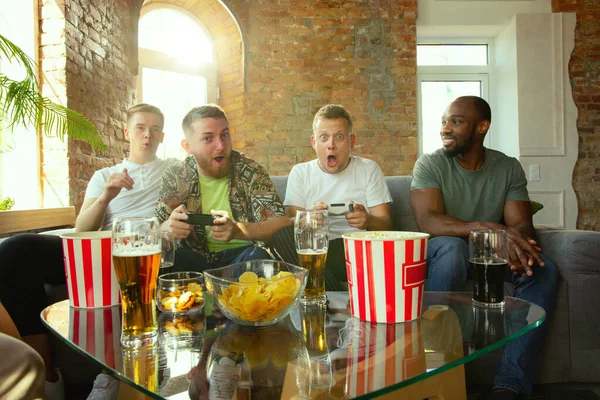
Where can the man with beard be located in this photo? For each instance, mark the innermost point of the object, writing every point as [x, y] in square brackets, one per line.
[335, 177]
[465, 186]
[216, 180]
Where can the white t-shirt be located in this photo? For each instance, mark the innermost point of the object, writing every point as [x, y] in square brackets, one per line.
[137, 202]
[361, 182]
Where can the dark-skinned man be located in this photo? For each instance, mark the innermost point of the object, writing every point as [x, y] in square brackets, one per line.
[465, 186]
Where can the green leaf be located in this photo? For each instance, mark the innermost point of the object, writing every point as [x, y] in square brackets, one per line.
[22, 104]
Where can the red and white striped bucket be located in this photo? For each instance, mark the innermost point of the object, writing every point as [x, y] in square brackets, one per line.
[386, 274]
[381, 355]
[91, 279]
[98, 332]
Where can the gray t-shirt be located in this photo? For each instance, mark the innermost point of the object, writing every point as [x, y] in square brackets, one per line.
[472, 195]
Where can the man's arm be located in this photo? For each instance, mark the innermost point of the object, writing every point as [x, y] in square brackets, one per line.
[428, 207]
[91, 216]
[290, 211]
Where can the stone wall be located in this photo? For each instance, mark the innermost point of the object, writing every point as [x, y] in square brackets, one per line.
[584, 71]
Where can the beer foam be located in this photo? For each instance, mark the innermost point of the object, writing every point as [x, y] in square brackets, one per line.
[122, 250]
[312, 252]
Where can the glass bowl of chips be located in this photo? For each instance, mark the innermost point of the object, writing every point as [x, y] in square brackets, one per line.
[180, 292]
[256, 292]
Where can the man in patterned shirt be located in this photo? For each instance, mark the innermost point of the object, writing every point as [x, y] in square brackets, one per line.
[217, 180]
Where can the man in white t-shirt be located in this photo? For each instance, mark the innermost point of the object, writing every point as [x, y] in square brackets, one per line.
[128, 189]
[139, 174]
[337, 177]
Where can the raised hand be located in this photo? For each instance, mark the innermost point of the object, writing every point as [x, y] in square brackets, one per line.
[115, 183]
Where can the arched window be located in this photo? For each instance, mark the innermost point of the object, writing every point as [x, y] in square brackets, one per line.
[177, 68]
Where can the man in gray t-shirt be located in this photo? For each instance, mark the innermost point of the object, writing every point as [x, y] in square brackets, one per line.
[465, 186]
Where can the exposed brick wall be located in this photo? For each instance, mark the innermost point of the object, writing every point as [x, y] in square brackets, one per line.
[303, 54]
[91, 71]
[228, 43]
[292, 57]
[584, 72]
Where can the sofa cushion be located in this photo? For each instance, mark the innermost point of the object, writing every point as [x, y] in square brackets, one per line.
[399, 186]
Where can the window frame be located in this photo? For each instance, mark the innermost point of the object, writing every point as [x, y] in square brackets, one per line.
[158, 60]
[453, 73]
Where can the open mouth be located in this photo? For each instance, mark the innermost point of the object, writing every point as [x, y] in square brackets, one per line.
[331, 161]
[447, 140]
[219, 159]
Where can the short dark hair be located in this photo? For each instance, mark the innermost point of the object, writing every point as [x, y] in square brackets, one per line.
[196, 113]
[333, 111]
[482, 106]
[147, 108]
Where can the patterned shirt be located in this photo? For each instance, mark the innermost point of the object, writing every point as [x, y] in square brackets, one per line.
[252, 197]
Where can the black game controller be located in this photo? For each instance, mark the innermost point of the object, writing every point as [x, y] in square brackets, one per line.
[201, 219]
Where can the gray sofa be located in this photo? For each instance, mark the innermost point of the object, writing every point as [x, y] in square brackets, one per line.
[572, 349]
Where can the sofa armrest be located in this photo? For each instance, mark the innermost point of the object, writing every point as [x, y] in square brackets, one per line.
[574, 251]
[577, 256]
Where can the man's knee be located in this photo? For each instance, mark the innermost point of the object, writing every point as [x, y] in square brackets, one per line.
[22, 375]
[448, 248]
[447, 260]
[254, 253]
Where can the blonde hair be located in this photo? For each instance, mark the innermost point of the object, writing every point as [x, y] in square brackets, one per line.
[147, 108]
[333, 111]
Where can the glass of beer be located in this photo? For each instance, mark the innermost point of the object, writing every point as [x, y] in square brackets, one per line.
[311, 235]
[136, 252]
[488, 257]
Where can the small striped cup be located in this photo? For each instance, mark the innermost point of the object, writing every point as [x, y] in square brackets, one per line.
[91, 280]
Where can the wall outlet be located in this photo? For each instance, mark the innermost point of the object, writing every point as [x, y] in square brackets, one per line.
[534, 173]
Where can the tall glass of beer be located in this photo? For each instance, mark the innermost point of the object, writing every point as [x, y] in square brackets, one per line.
[136, 252]
[488, 257]
[311, 234]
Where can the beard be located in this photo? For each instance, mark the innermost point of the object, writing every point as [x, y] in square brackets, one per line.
[460, 148]
[206, 167]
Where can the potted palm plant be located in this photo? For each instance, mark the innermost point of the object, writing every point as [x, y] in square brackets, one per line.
[21, 103]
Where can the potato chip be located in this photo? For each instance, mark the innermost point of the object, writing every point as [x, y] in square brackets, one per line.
[260, 299]
[248, 277]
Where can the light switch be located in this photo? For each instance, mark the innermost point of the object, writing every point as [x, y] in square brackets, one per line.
[534, 173]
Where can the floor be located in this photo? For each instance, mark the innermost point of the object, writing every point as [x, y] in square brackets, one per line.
[563, 391]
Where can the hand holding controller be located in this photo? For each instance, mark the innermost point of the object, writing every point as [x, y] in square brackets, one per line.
[201, 219]
[340, 208]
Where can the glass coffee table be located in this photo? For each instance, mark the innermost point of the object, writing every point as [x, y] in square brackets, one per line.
[317, 352]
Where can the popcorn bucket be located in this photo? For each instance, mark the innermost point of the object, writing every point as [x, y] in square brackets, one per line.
[98, 332]
[386, 274]
[381, 355]
[91, 279]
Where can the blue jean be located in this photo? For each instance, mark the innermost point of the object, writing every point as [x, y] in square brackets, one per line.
[188, 260]
[448, 263]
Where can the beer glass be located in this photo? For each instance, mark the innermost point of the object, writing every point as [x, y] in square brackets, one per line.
[140, 364]
[136, 252]
[488, 258]
[311, 235]
[314, 323]
[168, 249]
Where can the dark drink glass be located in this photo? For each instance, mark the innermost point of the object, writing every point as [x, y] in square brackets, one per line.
[488, 258]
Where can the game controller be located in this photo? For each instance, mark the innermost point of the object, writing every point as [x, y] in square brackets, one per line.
[201, 219]
[340, 208]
